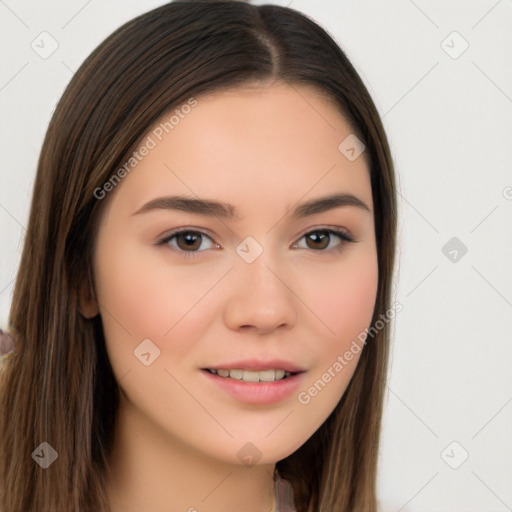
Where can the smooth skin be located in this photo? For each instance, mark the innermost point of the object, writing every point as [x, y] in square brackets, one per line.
[264, 148]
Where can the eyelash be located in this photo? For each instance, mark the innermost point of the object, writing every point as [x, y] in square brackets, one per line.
[342, 235]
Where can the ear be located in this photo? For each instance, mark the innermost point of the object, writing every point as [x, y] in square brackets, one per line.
[88, 305]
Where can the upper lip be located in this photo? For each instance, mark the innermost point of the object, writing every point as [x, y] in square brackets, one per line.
[257, 365]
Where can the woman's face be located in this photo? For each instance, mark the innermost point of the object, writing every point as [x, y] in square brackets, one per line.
[259, 279]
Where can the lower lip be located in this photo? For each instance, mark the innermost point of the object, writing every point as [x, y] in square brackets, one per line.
[257, 393]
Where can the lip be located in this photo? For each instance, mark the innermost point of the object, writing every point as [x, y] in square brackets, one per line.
[258, 365]
[257, 393]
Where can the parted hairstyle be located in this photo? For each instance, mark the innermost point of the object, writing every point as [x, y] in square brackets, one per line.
[58, 387]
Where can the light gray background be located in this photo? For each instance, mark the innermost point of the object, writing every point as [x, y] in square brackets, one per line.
[449, 122]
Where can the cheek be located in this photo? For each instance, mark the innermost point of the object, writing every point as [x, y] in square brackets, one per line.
[346, 301]
[352, 306]
[142, 296]
[129, 294]
[345, 306]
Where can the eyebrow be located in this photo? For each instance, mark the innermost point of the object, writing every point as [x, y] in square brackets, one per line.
[228, 211]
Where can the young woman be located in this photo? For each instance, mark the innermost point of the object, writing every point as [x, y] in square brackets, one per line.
[197, 317]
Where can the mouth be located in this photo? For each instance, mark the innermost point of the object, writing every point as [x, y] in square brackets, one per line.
[260, 387]
[267, 375]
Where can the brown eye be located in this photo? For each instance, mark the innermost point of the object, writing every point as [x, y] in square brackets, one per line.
[318, 239]
[188, 241]
[324, 239]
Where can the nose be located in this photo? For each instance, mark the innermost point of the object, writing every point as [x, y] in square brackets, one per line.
[261, 299]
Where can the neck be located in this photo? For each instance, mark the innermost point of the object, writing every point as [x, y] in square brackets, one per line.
[152, 470]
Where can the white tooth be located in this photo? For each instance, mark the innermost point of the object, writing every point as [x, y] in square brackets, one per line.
[279, 374]
[212, 370]
[251, 376]
[236, 374]
[267, 375]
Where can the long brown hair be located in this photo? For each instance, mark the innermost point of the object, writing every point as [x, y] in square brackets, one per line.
[59, 387]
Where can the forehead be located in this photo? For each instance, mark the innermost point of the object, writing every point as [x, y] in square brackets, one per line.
[276, 143]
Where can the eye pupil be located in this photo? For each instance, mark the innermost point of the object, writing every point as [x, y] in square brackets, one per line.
[320, 238]
[191, 241]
